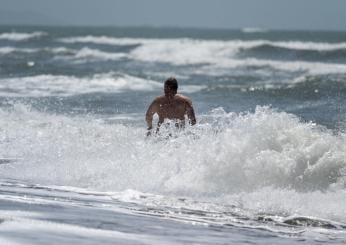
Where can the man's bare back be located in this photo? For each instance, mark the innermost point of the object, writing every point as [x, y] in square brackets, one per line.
[171, 106]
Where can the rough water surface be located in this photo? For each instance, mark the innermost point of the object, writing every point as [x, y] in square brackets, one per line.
[266, 162]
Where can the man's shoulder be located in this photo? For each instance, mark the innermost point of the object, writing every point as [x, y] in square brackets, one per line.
[159, 98]
[183, 98]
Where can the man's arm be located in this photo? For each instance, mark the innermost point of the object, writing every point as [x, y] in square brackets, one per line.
[190, 113]
[153, 108]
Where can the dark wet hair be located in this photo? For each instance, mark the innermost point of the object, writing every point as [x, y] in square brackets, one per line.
[172, 83]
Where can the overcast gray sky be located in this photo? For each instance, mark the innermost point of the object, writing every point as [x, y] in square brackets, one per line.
[270, 14]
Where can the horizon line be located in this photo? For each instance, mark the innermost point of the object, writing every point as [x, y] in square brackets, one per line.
[243, 29]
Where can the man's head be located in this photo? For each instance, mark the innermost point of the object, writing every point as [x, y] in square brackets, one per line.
[171, 86]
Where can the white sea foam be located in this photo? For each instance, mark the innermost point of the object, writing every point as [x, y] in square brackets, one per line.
[254, 30]
[308, 68]
[219, 56]
[230, 44]
[177, 51]
[8, 50]
[17, 36]
[217, 59]
[59, 85]
[83, 54]
[184, 51]
[55, 50]
[222, 54]
[215, 54]
[232, 153]
[292, 203]
[317, 46]
[55, 85]
[87, 54]
[58, 50]
[265, 161]
[104, 40]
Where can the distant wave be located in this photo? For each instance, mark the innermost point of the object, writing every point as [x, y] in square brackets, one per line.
[58, 50]
[70, 85]
[8, 50]
[183, 52]
[87, 54]
[312, 68]
[55, 50]
[290, 48]
[212, 56]
[231, 44]
[59, 85]
[16, 36]
[298, 45]
[217, 54]
[104, 40]
[216, 57]
[254, 30]
[93, 53]
[83, 54]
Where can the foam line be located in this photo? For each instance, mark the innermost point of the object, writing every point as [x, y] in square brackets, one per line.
[18, 36]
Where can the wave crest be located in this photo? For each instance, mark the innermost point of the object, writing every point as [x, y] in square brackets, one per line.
[59, 85]
[17, 36]
[226, 153]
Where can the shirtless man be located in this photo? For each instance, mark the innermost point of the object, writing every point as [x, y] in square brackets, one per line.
[170, 106]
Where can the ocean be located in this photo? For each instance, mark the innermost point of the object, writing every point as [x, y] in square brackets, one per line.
[265, 163]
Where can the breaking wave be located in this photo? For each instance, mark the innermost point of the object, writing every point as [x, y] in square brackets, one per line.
[8, 50]
[266, 162]
[17, 36]
[63, 53]
[61, 85]
[212, 56]
[229, 44]
[254, 30]
[226, 153]
[87, 54]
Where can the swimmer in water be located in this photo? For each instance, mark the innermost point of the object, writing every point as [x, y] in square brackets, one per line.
[172, 106]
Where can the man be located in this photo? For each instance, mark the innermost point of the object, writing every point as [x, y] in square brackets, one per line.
[170, 106]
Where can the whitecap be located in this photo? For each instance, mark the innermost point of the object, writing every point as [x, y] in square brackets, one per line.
[17, 36]
[254, 30]
[233, 153]
[87, 54]
[8, 50]
[60, 85]
[103, 40]
[266, 162]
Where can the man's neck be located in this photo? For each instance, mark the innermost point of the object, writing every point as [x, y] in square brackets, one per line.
[170, 96]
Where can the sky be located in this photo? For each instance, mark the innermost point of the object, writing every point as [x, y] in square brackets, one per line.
[230, 14]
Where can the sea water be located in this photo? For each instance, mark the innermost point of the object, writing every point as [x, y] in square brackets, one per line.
[265, 164]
